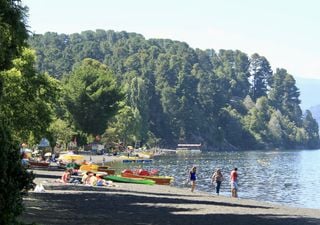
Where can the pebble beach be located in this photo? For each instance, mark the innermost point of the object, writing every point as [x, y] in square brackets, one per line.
[149, 204]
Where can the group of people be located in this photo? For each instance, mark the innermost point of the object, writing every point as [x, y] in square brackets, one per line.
[88, 178]
[217, 179]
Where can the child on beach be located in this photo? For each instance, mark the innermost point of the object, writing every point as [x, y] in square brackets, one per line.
[193, 178]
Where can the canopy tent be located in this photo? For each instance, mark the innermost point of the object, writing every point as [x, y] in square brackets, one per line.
[44, 143]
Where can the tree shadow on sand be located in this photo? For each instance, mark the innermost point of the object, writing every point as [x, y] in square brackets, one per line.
[117, 208]
[163, 198]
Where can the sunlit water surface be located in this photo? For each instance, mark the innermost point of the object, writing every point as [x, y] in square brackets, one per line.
[287, 177]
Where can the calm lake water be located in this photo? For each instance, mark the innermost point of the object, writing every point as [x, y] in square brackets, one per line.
[287, 177]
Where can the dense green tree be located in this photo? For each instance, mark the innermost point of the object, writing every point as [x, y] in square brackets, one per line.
[122, 127]
[261, 73]
[312, 128]
[61, 132]
[28, 98]
[92, 96]
[13, 31]
[275, 130]
[234, 65]
[176, 93]
[284, 95]
[138, 99]
[15, 180]
[255, 120]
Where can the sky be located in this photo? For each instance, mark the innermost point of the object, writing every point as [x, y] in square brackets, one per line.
[286, 32]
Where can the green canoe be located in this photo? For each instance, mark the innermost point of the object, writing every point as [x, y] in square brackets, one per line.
[129, 180]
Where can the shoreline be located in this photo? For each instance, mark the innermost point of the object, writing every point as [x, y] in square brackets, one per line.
[144, 204]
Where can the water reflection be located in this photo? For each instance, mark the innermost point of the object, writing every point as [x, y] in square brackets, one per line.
[289, 177]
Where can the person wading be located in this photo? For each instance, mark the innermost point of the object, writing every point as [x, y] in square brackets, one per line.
[193, 178]
[217, 178]
[234, 182]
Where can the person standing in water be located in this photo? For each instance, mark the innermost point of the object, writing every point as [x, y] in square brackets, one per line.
[217, 177]
[234, 182]
[193, 178]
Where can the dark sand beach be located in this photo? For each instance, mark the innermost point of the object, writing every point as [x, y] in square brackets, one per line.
[143, 204]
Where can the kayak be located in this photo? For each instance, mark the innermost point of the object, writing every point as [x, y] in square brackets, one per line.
[90, 167]
[142, 172]
[129, 180]
[164, 180]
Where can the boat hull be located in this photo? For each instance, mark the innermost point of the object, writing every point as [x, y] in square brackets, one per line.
[158, 180]
[107, 170]
[96, 168]
[129, 180]
[38, 164]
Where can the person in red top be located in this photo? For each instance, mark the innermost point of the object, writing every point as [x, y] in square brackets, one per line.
[234, 182]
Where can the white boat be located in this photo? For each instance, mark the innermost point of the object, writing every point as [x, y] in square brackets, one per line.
[188, 148]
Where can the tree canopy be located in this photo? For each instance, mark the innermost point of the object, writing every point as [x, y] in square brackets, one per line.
[92, 96]
[25, 98]
[174, 93]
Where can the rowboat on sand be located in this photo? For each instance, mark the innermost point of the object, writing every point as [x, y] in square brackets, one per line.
[163, 180]
[97, 168]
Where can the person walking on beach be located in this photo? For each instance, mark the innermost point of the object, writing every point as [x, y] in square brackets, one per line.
[234, 182]
[193, 178]
[217, 177]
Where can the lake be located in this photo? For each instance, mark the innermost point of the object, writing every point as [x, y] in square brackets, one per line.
[288, 177]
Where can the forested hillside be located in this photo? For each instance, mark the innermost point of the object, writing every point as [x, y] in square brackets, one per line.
[173, 93]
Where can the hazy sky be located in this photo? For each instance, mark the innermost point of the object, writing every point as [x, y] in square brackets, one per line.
[286, 32]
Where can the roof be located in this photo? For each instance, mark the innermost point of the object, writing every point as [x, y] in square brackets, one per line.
[189, 145]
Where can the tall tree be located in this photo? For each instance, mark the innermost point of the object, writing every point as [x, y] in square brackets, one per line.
[20, 107]
[13, 31]
[312, 128]
[261, 74]
[234, 65]
[284, 95]
[92, 96]
[256, 119]
[28, 109]
[173, 90]
[24, 112]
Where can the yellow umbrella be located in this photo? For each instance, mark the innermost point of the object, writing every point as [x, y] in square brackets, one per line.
[70, 157]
